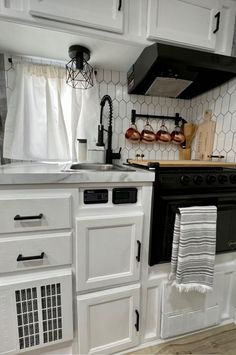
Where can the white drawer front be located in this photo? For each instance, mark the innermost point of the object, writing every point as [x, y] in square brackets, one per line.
[24, 253]
[29, 212]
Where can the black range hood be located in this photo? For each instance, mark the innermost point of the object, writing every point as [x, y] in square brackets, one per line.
[170, 71]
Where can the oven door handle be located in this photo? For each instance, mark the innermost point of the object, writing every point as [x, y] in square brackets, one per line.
[226, 206]
[232, 244]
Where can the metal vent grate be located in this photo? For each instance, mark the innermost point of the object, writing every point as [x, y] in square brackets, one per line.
[27, 317]
[51, 312]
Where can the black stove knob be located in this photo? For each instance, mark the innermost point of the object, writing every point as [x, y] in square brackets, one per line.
[232, 179]
[185, 179]
[222, 179]
[198, 179]
[210, 179]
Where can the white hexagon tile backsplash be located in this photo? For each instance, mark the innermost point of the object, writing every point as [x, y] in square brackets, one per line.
[222, 102]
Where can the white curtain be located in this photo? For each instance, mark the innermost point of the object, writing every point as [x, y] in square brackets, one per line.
[46, 116]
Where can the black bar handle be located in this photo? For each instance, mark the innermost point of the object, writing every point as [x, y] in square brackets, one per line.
[139, 251]
[137, 320]
[33, 257]
[120, 4]
[217, 16]
[23, 218]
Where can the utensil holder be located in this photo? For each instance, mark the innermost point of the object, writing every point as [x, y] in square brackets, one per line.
[184, 154]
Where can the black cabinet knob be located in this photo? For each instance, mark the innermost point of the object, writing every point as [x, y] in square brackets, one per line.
[222, 179]
[185, 180]
[210, 179]
[198, 179]
[232, 179]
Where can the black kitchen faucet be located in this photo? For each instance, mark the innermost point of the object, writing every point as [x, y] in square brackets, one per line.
[100, 143]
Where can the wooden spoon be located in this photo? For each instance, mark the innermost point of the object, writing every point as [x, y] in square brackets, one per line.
[189, 132]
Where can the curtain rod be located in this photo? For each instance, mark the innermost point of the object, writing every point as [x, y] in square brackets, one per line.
[38, 60]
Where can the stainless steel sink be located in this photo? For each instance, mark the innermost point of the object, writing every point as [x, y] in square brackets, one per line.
[98, 167]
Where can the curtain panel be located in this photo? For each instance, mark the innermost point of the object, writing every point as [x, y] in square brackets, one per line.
[46, 116]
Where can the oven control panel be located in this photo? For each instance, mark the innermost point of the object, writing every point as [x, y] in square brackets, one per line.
[202, 179]
[208, 179]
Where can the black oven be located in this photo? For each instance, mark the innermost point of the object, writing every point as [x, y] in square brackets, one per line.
[183, 187]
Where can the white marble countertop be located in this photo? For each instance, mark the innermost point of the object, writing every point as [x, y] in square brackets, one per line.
[47, 173]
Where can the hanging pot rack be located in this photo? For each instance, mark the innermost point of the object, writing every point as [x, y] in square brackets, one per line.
[177, 118]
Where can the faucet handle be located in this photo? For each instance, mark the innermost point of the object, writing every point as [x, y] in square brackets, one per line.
[117, 155]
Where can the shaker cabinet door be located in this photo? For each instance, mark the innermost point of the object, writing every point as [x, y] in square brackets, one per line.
[108, 321]
[190, 22]
[103, 14]
[108, 250]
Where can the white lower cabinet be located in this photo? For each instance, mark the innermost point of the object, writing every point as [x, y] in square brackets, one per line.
[189, 311]
[108, 250]
[108, 321]
[35, 311]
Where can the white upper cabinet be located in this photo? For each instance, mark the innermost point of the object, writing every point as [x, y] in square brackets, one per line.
[122, 26]
[103, 14]
[192, 22]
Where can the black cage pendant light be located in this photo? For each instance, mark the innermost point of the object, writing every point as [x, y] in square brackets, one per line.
[79, 74]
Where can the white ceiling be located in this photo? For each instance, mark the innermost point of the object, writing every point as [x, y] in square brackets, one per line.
[46, 43]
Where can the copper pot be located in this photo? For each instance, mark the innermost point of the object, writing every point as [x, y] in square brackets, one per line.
[177, 136]
[148, 134]
[163, 136]
[133, 134]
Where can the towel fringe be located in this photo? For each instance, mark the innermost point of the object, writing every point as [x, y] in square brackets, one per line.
[192, 287]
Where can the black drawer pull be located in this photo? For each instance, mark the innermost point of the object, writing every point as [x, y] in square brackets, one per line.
[217, 16]
[137, 320]
[24, 218]
[33, 257]
[120, 4]
[139, 251]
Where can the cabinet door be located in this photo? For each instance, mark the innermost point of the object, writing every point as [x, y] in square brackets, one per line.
[190, 22]
[103, 14]
[108, 321]
[108, 250]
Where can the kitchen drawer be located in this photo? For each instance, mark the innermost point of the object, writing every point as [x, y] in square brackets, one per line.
[30, 252]
[26, 211]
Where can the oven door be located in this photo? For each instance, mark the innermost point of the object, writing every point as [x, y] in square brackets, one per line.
[163, 216]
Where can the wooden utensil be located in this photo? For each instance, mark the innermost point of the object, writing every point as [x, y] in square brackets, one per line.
[189, 130]
[205, 137]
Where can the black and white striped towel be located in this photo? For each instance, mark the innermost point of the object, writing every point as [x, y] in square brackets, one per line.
[193, 249]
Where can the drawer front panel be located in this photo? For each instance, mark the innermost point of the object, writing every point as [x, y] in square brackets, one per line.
[24, 253]
[19, 214]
